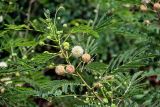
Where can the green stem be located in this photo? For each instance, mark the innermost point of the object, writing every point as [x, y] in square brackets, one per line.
[91, 89]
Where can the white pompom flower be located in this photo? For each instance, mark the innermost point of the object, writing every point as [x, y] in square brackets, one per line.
[77, 51]
[3, 65]
[145, 1]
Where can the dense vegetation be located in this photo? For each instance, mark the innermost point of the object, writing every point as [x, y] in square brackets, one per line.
[79, 53]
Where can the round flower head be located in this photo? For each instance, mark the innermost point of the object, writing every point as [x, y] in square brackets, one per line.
[77, 51]
[3, 65]
[86, 57]
[145, 1]
[60, 70]
[156, 6]
[143, 8]
[70, 69]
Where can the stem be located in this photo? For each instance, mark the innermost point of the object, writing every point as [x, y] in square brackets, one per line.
[103, 92]
[79, 64]
[130, 83]
[96, 16]
[88, 85]
[127, 88]
[66, 38]
[28, 14]
[84, 81]
[75, 95]
[60, 46]
[51, 45]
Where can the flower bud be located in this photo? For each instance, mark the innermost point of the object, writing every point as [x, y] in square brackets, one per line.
[156, 6]
[41, 43]
[58, 18]
[2, 89]
[86, 57]
[24, 57]
[147, 22]
[1, 18]
[3, 65]
[49, 37]
[77, 51]
[113, 105]
[70, 69]
[66, 45]
[50, 66]
[59, 32]
[60, 70]
[105, 100]
[143, 8]
[64, 25]
[17, 74]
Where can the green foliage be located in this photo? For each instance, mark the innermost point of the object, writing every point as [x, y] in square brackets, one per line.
[130, 59]
[97, 67]
[84, 29]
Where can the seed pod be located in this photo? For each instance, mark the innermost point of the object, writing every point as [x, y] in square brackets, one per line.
[19, 85]
[143, 8]
[70, 69]
[86, 57]
[97, 85]
[60, 70]
[156, 6]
